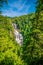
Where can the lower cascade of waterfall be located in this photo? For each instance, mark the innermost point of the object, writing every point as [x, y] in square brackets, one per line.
[18, 35]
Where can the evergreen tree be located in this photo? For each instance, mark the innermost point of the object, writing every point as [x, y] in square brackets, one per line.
[8, 47]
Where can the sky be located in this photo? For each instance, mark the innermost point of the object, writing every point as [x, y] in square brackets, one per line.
[18, 7]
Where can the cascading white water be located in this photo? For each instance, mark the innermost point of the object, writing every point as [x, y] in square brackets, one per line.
[18, 35]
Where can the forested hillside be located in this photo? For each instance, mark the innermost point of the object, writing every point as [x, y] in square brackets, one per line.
[9, 49]
[32, 31]
[31, 28]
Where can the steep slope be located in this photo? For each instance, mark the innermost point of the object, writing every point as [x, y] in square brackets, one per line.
[32, 31]
[9, 49]
[31, 51]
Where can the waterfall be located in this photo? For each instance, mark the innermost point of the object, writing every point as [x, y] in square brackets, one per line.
[18, 35]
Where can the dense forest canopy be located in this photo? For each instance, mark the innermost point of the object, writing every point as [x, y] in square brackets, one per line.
[31, 27]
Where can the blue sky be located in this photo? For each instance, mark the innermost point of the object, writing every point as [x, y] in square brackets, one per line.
[18, 7]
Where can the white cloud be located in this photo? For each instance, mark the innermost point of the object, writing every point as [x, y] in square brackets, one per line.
[19, 5]
[12, 13]
[22, 8]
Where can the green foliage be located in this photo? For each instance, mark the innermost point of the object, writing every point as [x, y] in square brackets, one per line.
[8, 47]
[31, 27]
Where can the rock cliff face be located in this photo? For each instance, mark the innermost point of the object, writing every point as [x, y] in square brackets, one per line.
[18, 35]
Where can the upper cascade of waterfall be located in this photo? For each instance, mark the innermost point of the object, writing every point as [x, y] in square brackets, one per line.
[15, 26]
[18, 35]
